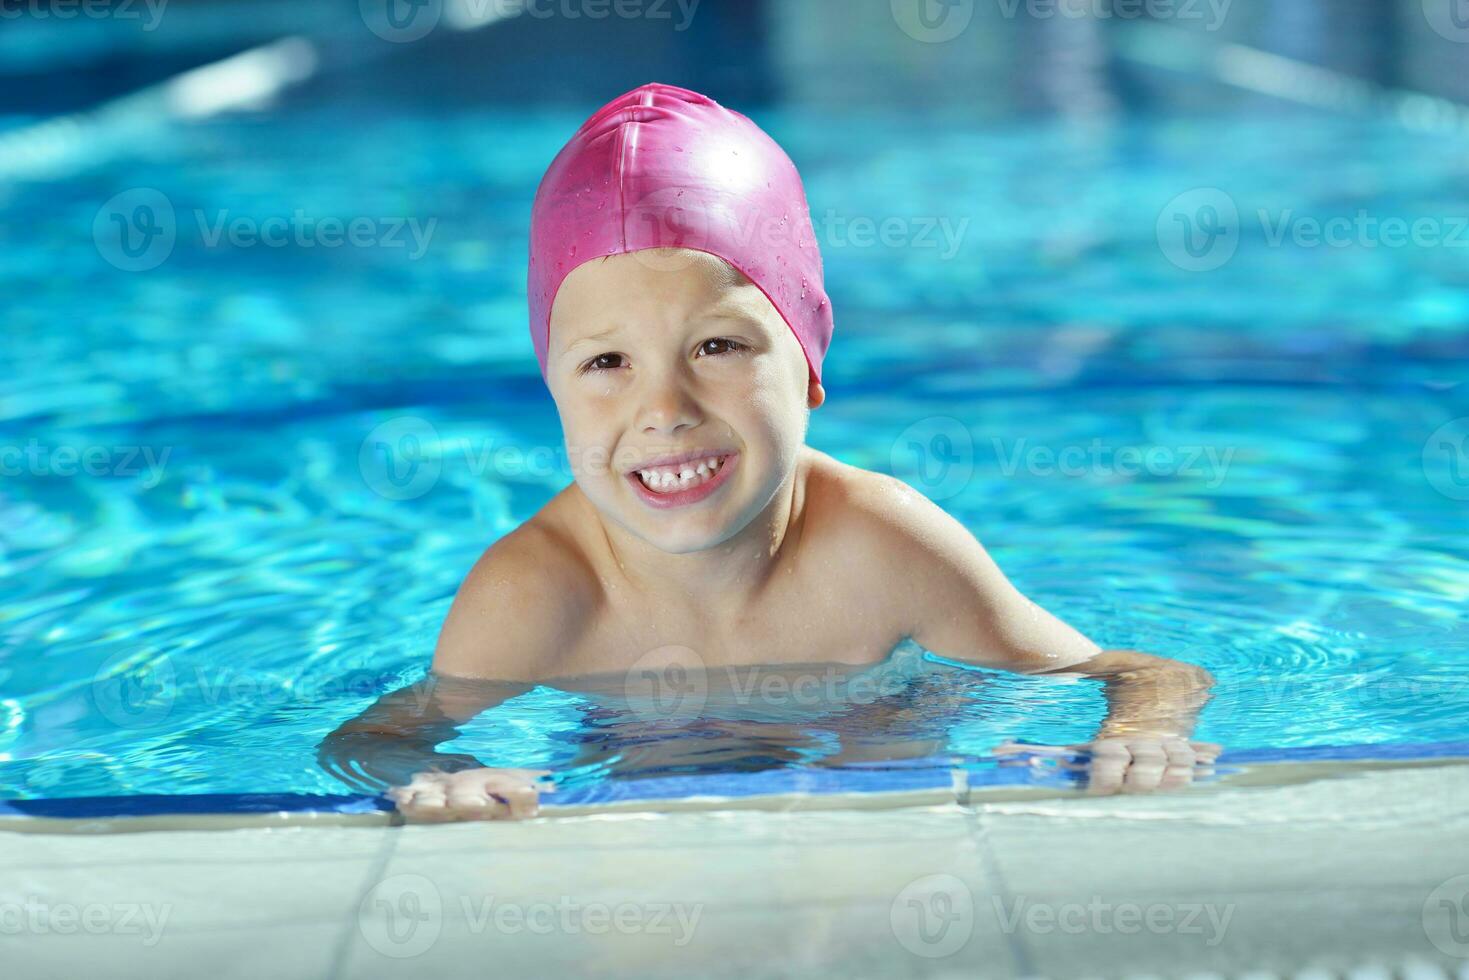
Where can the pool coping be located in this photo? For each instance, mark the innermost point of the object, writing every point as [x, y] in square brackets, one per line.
[889, 786]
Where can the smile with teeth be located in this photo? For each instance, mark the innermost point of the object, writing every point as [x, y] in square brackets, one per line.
[681, 476]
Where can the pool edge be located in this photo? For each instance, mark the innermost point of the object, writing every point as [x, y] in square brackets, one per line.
[959, 793]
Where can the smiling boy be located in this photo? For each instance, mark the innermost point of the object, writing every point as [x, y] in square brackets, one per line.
[680, 320]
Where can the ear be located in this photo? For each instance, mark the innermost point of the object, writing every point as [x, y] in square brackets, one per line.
[815, 394]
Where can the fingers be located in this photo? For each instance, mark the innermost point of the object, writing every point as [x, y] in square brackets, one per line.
[1176, 777]
[1109, 765]
[470, 802]
[522, 800]
[475, 794]
[1207, 752]
[1179, 753]
[1145, 765]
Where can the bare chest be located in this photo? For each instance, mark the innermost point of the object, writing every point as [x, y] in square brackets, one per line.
[835, 622]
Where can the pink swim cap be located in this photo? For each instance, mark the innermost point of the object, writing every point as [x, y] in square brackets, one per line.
[664, 167]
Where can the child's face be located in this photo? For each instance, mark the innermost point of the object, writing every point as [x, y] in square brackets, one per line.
[665, 352]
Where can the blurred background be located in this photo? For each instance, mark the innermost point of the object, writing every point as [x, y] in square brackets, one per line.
[1030, 160]
[268, 389]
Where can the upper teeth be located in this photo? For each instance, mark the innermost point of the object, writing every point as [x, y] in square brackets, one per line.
[680, 474]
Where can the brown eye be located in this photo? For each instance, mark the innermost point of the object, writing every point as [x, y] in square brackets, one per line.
[599, 363]
[729, 346]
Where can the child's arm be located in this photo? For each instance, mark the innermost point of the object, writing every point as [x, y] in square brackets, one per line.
[960, 605]
[494, 641]
[395, 739]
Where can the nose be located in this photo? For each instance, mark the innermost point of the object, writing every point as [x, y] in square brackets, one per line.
[666, 405]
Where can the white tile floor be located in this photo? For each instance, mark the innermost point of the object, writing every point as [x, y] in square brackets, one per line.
[1332, 873]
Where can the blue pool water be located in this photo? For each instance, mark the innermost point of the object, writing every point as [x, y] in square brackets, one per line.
[237, 574]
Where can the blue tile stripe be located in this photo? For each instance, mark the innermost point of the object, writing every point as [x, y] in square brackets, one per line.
[915, 775]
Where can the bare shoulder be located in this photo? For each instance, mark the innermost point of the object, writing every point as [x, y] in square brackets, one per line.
[874, 510]
[869, 528]
[520, 608]
[951, 594]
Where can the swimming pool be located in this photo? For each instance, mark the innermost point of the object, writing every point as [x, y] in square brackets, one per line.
[245, 480]
[1192, 371]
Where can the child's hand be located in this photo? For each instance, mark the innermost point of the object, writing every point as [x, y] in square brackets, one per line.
[1129, 763]
[472, 794]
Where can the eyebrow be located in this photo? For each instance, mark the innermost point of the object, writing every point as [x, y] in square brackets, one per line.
[723, 311]
[591, 339]
[726, 311]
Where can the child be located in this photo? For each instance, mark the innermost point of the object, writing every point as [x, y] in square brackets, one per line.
[680, 321]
